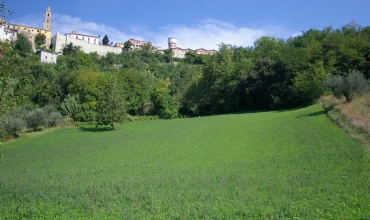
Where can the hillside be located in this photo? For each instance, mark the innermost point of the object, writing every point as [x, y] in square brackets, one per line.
[282, 164]
[357, 111]
[353, 117]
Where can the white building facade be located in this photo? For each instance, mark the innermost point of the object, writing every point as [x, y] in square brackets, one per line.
[89, 44]
[47, 57]
[82, 37]
[7, 34]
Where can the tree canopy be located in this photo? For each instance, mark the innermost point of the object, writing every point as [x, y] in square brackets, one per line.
[272, 74]
[22, 45]
[127, 46]
[105, 40]
[40, 39]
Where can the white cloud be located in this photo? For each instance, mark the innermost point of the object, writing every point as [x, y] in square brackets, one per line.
[29, 20]
[208, 34]
[66, 24]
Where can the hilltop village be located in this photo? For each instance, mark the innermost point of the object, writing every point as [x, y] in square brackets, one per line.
[88, 43]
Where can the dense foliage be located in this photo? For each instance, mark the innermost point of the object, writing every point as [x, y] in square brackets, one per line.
[272, 74]
[349, 85]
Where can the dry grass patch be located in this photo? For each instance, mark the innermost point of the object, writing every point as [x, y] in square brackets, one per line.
[357, 111]
[353, 117]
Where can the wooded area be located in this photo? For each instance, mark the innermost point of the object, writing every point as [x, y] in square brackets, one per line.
[272, 74]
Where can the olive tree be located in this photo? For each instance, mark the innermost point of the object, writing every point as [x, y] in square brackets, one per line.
[348, 86]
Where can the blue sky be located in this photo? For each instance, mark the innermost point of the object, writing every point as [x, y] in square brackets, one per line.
[195, 23]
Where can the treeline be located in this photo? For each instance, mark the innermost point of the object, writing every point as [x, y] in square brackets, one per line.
[272, 74]
[276, 74]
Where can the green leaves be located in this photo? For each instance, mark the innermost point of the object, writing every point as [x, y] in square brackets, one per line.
[308, 84]
[348, 86]
[111, 102]
[40, 39]
[22, 45]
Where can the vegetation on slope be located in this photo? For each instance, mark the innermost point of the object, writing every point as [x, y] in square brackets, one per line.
[283, 164]
[353, 117]
[272, 74]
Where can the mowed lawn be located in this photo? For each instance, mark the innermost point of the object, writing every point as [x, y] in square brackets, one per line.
[289, 164]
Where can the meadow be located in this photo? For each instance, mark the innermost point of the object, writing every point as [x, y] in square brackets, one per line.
[292, 164]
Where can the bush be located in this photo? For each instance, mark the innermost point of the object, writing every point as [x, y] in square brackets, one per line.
[14, 126]
[24, 117]
[165, 105]
[54, 119]
[36, 119]
[70, 106]
[52, 116]
[348, 86]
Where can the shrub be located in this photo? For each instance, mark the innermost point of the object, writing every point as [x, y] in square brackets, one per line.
[70, 106]
[3, 132]
[52, 116]
[14, 126]
[36, 119]
[165, 105]
[348, 86]
[54, 119]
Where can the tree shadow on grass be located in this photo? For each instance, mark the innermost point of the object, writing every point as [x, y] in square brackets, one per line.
[96, 129]
[313, 114]
[269, 110]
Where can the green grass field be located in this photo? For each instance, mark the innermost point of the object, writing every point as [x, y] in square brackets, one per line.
[291, 164]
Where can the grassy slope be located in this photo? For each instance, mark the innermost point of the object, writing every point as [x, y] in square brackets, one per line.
[356, 112]
[261, 165]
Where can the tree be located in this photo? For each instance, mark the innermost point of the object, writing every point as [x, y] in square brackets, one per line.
[40, 39]
[4, 11]
[165, 105]
[22, 45]
[7, 95]
[70, 49]
[167, 55]
[127, 46]
[349, 86]
[308, 84]
[105, 40]
[36, 119]
[110, 105]
[71, 106]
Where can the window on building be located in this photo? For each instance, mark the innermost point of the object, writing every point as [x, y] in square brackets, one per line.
[46, 57]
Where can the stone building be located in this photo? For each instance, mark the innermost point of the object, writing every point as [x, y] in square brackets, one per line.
[178, 52]
[89, 44]
[47, 57]
[10, 31]
[87, 38]
[204, 51]
[8, 34]
[137, 44]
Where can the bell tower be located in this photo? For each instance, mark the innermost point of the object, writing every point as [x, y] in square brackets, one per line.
[47, 20]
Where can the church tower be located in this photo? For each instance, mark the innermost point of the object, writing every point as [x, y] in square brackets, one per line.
[47, 20]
